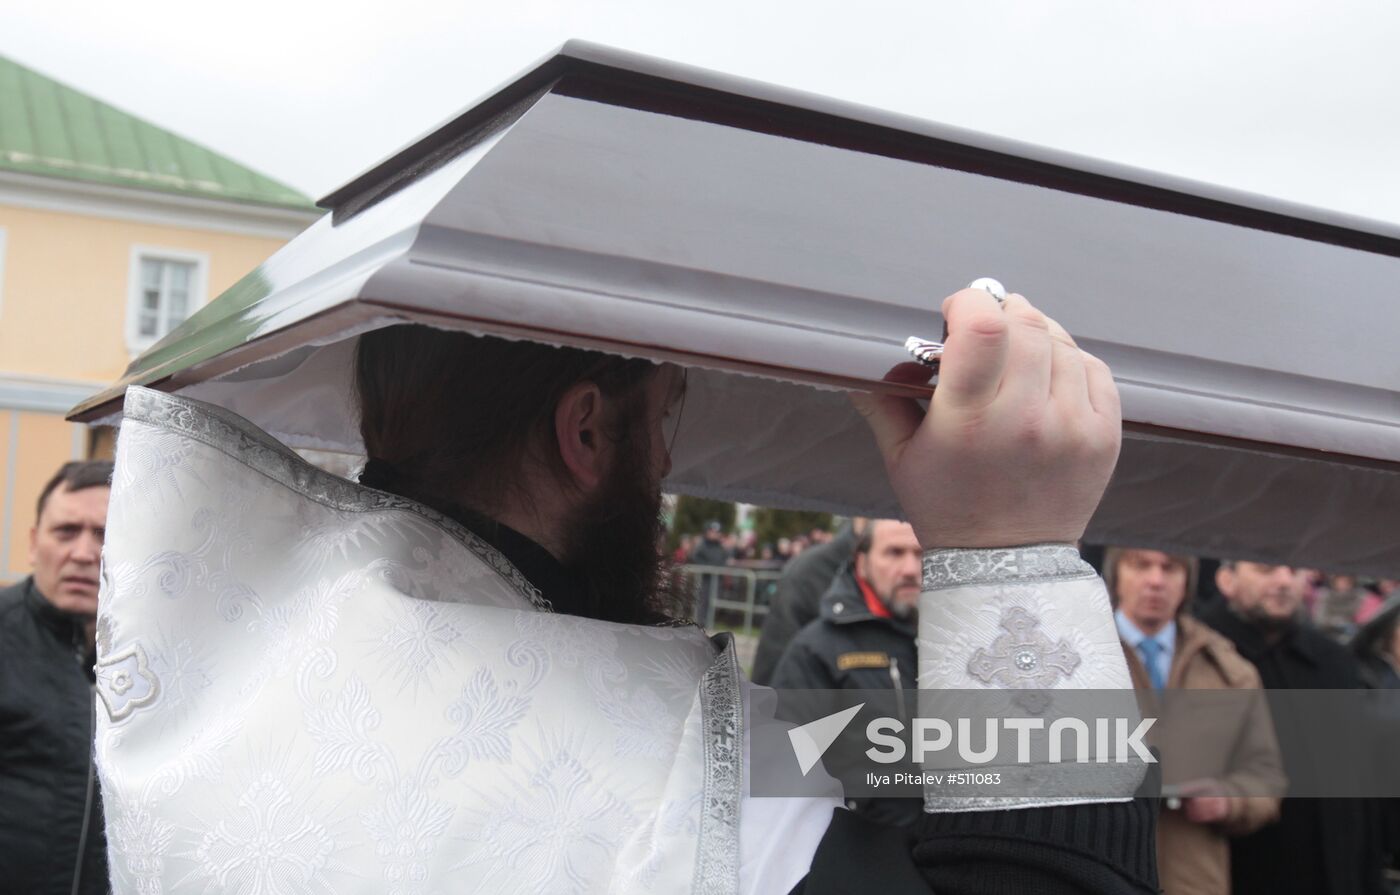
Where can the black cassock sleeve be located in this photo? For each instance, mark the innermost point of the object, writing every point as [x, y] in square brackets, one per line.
[1107, 848]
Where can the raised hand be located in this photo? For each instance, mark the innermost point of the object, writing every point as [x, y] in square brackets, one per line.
[1020, 439]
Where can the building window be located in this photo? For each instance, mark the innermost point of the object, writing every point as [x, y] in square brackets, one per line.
[165, 296]
[167, 287]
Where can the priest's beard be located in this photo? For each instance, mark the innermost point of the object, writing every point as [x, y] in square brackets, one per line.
[613, 543]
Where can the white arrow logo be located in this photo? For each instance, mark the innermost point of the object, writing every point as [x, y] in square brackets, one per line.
[811, 740]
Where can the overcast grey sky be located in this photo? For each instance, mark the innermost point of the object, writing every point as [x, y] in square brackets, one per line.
[1294, 99]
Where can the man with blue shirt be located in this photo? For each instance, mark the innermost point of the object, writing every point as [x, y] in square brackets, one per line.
[1226, 774]
[1153, 589]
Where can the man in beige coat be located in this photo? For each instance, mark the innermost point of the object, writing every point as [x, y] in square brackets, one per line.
[1219, 756]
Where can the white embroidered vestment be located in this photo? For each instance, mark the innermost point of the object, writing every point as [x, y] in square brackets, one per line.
[309, 686]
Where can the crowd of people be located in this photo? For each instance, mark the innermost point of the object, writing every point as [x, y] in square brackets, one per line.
[1184, 625]
[739, 550]
[1340, 604]
[717, 547]
[844, 615]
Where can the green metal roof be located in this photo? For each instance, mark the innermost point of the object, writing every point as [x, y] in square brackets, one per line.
[51, 129]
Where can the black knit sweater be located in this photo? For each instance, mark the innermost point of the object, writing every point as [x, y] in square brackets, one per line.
[1103, 848]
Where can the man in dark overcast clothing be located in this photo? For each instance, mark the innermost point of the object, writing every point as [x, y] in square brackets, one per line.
[797, 601]
[51, 829]
[1317, 845]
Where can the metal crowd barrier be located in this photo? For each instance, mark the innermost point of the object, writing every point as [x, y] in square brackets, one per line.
[729, 588]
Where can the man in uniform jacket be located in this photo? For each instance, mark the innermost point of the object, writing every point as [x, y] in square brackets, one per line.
[1229, 770]
[51, 832]
[864, 637]
[1319, 845]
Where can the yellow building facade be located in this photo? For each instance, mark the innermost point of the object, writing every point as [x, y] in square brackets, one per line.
[99, 257]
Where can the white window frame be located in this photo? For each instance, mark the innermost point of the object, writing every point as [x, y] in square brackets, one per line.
[199, 288]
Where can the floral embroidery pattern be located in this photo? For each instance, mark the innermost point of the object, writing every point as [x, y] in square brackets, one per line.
[183, 672]
[141, 838]
[268, 844]
[645, 724]
[414, 648]
[560, 829]
[406, 828]
[341, 727]
[484, 714]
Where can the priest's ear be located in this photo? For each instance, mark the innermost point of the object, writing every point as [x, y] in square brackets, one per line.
[579, 434]
[1225, 579]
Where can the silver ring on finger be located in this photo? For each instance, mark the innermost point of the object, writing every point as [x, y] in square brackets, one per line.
[992, 287]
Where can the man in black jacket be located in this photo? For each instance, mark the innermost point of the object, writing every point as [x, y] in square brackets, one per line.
[798, 598]
[1317, 845]
[51, 833]
[864, 637]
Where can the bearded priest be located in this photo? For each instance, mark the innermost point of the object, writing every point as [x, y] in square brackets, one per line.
[467, 672]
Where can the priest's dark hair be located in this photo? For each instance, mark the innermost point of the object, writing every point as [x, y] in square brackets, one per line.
[448, 415]
[450, 420]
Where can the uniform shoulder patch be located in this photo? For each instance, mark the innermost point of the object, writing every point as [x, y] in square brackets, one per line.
[847, 661]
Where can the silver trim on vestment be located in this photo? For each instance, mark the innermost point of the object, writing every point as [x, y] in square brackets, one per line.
[717, 861]
[1019, 565]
